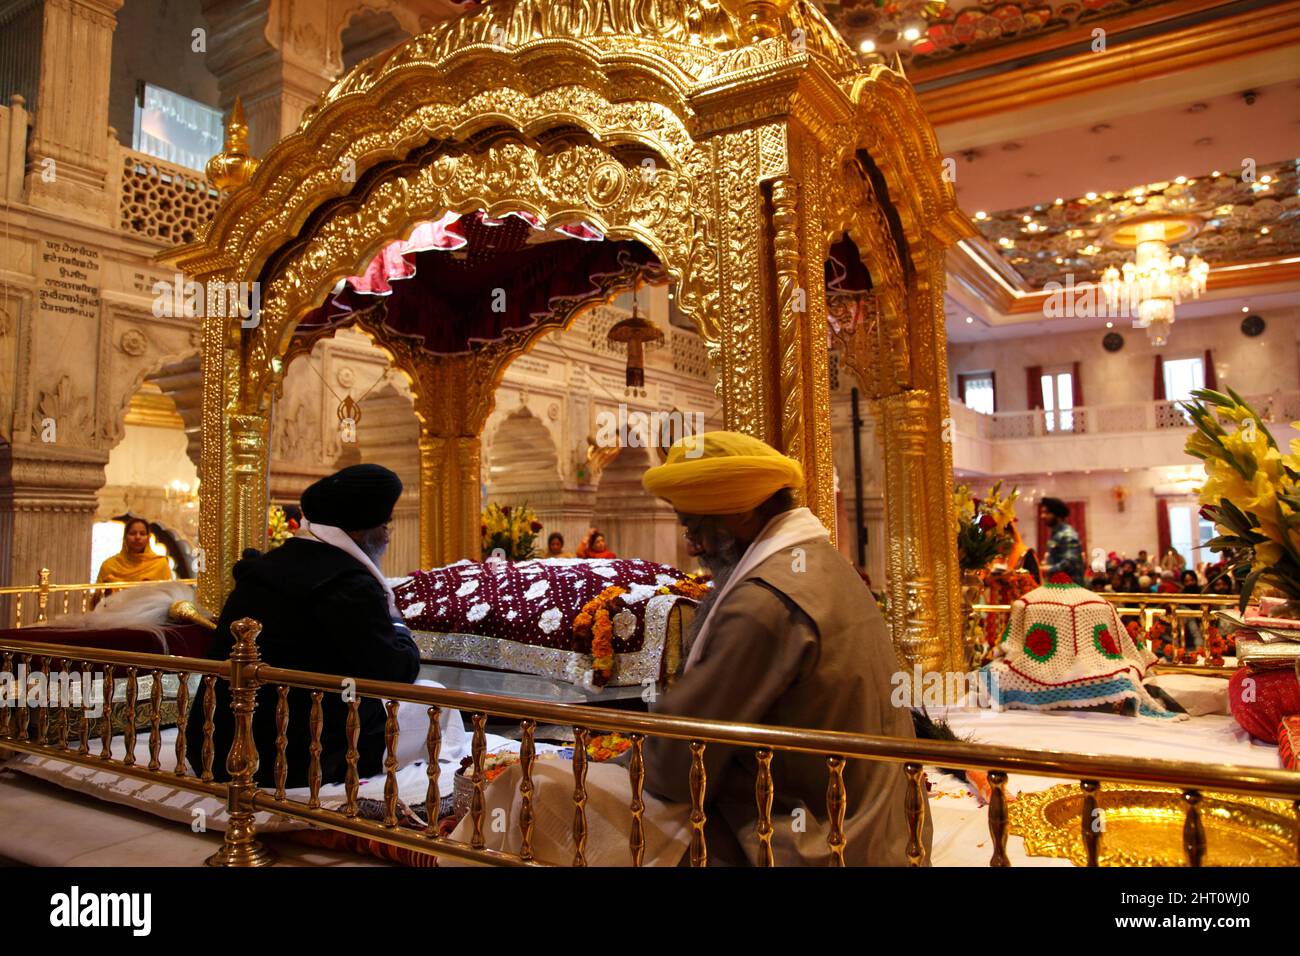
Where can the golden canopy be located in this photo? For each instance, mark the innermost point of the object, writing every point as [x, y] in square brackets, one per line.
[737, 142]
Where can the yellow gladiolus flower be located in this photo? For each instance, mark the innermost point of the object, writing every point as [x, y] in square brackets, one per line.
[1268, 553]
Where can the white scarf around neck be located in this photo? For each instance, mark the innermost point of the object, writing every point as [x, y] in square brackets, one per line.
[786, 530]
[338, 538]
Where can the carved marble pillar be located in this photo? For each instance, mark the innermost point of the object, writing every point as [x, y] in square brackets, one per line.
[635, 524]
[67, 161]
[278, 55]
[47, 508]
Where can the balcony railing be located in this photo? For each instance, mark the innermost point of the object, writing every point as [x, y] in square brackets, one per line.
[163, 202]
[1130, 417]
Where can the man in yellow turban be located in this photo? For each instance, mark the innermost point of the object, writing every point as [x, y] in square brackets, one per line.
[788, 636]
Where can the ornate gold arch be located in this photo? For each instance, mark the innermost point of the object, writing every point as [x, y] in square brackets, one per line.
[717, 136]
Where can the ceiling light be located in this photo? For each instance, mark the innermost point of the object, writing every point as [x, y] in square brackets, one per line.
[1245, 308]
[1157, 281]
[1180, 179]
[1263, 230]
[1265, 179]
[1110, 325]
[1005, 242]
[969, 320]
[1058, 201]
[911, 34]
[1216, 174]
[1091, 197]
[1026, 218]
[981, 215]
[867, 46]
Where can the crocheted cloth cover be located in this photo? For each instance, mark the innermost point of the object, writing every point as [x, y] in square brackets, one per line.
[1065, 648]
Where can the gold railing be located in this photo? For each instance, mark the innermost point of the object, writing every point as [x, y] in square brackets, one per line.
[46, 597]
[245, 674]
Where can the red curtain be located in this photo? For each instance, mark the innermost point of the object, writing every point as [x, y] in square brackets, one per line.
[1211, 376]
[1163, 539]
[993, 377]
[1159, 390]
[1077, 379]
[1034, 386]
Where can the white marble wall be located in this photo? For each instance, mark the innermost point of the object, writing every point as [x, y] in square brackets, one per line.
[1268, 363]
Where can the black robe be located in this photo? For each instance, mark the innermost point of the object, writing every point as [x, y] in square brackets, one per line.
[321, 610]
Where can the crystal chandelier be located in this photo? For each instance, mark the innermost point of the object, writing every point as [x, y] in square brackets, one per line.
[1150, 288]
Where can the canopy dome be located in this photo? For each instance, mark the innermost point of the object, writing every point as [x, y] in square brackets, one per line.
[700, 38]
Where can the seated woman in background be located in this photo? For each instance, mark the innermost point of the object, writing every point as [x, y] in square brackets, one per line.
[593, 546]
[135, 562]
[555, 546]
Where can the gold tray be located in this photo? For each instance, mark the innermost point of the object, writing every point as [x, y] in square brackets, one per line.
[1144, 826]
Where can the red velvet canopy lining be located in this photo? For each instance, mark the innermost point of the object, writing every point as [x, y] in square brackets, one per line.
[464, 280]
[467, 279]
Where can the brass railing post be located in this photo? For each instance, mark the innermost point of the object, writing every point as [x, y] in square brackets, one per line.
[764, 793]
[998, 817]
[914, 808]
[699, 781]
[241, 846]
[1092, 821]
[42, 595]
[1193, 829]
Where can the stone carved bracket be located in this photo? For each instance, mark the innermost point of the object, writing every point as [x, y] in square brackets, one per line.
[62, 416]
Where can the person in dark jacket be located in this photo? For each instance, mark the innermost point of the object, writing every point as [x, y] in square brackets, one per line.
[324, 606]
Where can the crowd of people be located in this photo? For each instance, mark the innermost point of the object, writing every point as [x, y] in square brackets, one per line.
[1168, 575]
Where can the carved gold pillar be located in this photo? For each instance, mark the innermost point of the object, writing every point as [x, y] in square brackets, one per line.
[913, 523]
[449, 499]
[930, 363]
[746, 370]
[250, 457]
[221, 368]
[802, 374]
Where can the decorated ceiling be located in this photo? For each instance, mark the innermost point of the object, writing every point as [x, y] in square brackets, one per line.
[922, 32]
[1247, 218]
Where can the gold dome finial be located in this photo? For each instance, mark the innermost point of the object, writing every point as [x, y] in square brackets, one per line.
[757, 19]
[233, 166]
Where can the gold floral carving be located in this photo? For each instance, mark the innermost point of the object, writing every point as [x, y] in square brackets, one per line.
[791, 309]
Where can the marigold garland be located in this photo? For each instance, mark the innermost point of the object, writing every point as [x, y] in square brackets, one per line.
[1217, 646]
[595, 623]
[689, 587]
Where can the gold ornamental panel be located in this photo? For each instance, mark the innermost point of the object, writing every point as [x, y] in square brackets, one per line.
[702, 130]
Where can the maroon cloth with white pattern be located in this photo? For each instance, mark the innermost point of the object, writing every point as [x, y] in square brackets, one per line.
[531, 602]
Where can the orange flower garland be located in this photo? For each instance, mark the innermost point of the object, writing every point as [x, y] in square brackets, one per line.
[688, 587]
[594, 622]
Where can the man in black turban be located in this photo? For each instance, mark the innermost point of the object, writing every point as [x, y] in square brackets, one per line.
[324, 606]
